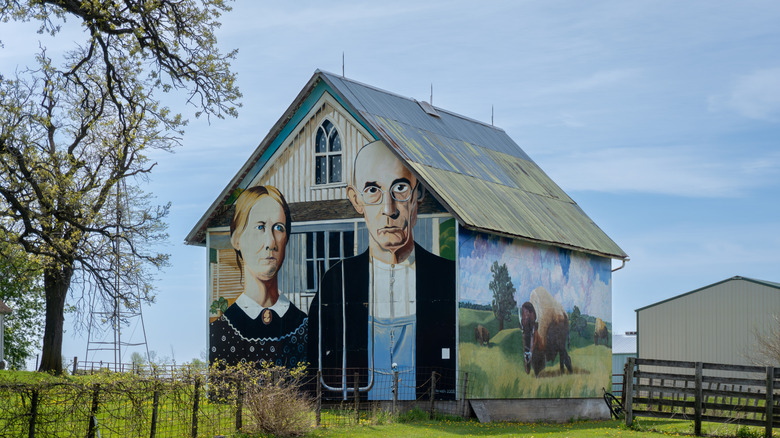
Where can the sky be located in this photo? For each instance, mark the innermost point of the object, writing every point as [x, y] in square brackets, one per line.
[661, 119]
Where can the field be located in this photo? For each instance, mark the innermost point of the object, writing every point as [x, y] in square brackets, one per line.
[497, 370]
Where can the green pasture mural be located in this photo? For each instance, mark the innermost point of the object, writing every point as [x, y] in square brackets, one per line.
[534, 320]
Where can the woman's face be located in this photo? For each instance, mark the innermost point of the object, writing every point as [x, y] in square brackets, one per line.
[263, 241]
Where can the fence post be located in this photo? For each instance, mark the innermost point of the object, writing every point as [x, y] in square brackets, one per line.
[239, 405]
[155, 406]
[75, 363]
[318, 413]
[93, 412]
[33, 413]
[463, 395]
[196, 397]
[623, 386]
[433, 393]
[770, 389]
[697, 401]
[628, 385]
[395, 390]
[357, 399]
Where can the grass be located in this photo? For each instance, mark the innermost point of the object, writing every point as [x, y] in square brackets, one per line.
[497, 370]
[424, 428]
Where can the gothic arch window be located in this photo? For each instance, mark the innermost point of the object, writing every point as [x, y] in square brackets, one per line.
[327, 154]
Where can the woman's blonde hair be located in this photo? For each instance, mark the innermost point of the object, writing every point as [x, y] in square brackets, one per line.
[244, 205]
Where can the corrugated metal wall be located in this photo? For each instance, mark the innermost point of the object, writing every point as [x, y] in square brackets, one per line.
[715, 324]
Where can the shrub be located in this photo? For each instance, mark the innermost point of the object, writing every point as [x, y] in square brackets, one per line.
[275, 402]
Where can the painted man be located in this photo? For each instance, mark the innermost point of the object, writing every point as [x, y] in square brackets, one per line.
[391, 308]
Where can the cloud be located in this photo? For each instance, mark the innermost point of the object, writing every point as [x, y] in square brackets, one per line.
[679, 172]
[755, 96]
[597, 80]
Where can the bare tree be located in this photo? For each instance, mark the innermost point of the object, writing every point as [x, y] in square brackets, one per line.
[765, 350]
[75, 139]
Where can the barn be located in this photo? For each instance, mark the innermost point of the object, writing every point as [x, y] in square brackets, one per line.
[623, 347]
[716, 323]
[4, 310]
[374, 232]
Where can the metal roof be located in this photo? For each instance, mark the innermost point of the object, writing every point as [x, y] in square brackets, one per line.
[476, 171]
[623, 344]
[472, 168]
[735, 278]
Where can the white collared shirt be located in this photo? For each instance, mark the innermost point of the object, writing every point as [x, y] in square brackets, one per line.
[395, 288]
[253, 309]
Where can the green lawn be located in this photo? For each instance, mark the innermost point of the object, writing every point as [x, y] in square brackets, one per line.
[454, 428]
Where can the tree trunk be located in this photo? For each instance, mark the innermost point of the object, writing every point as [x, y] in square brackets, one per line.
[56, 282]
[500, 324]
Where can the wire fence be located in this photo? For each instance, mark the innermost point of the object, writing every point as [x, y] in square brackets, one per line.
[189, 402]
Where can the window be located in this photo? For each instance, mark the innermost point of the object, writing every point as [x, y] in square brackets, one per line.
[327, 154]
[323, 250]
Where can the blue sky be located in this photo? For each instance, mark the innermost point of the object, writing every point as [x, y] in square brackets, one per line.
[661, 119]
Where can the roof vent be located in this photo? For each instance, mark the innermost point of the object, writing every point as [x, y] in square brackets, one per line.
[428, 108]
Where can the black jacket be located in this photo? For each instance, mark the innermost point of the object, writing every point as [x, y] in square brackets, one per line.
[436, 312]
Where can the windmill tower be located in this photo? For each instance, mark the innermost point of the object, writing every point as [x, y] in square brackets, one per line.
[112, 329]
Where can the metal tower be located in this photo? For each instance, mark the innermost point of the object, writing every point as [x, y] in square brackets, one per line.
[105, 330]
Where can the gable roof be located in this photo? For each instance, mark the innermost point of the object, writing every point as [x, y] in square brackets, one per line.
[735, 278]
[4, 310]
[473, 169]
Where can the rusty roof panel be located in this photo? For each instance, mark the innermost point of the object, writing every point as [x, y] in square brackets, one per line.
[510, 210]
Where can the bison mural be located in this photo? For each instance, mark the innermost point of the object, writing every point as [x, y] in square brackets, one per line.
[481, 335]
[545, 328]
[600, 332]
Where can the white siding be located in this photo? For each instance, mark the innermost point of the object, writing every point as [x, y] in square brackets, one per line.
[716, 324]
[291, 169]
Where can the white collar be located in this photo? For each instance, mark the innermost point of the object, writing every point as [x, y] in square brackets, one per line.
[253, 309]
[408, 263]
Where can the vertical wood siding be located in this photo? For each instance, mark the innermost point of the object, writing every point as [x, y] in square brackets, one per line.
[292, 168]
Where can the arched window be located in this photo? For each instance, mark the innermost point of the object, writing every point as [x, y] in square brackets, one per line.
[327, 154]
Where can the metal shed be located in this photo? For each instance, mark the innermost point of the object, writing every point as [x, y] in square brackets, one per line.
[716, 323]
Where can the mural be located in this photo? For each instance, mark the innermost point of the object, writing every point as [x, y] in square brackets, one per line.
[391, 308]
[537, 323]
[261, 325]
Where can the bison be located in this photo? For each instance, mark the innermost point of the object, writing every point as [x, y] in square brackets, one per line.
[481, 335]
[545, 328]
[600, 332]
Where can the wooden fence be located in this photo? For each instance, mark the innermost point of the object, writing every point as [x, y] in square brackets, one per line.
[745, 395]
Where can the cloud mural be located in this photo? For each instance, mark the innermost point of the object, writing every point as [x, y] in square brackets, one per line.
[573, 278]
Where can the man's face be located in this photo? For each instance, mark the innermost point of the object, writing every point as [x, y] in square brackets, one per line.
[262, 243]
[379, 175]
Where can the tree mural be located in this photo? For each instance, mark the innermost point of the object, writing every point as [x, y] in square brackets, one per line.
[504, 303]
[577, 322]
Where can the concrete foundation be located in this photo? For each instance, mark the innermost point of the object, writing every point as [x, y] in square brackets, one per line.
[533, 410]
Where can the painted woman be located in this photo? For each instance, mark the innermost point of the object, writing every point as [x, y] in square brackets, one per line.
[262, 325]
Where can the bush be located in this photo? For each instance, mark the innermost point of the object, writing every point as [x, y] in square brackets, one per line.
[275, 402]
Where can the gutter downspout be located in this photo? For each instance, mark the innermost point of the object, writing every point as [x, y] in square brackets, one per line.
[623, 265]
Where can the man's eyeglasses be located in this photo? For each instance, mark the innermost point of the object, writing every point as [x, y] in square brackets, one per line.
[400, 191]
